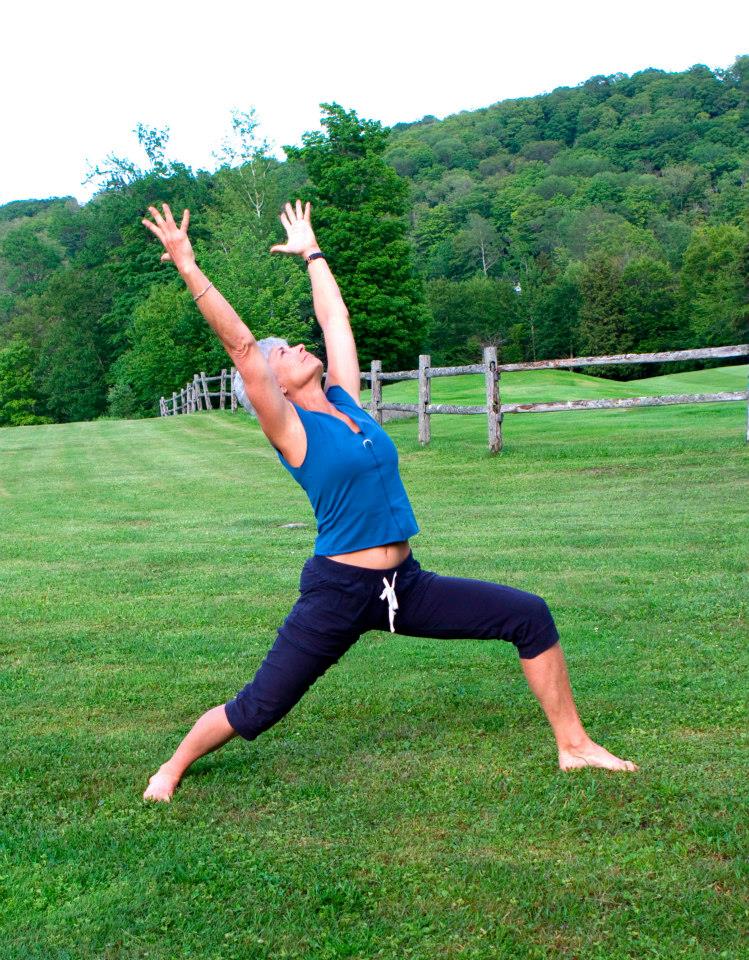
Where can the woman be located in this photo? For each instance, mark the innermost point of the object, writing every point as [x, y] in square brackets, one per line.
[363, 575]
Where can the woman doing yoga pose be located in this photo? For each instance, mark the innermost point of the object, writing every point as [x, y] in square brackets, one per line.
[363, 574]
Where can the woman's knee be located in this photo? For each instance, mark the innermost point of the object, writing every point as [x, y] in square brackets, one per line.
[536, 630]
[281, 681]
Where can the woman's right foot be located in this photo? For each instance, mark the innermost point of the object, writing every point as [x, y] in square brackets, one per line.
[161, 785]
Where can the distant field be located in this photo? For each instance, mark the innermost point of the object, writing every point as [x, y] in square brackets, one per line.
[526, 386]
[410, 806]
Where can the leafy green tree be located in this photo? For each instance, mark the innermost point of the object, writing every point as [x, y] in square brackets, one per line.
[468, 314]
[19, 398]
[713, 287]
[29, 259]
[556, 316]
[168, 345]
[70, 372]
[649, 299]
[604, 326]
[360, 207]
[479, 245]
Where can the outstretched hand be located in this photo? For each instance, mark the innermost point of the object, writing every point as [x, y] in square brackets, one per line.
[174, 238]
[300, 236]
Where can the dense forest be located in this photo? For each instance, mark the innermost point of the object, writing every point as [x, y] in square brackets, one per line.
[608, 217]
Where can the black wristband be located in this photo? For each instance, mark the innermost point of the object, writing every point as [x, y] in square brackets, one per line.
[315, 256]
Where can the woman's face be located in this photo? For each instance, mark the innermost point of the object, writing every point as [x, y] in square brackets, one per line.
[294, 366]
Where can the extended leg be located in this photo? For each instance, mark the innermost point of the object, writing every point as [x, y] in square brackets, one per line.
[210, 731]
[548, 679]
[282, 679]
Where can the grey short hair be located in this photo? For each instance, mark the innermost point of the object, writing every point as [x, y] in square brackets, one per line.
[266, 345]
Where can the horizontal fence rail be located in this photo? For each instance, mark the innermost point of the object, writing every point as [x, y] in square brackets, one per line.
[195, 395]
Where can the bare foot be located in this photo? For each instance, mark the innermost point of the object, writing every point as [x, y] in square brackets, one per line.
[592, 755]
[161, 785]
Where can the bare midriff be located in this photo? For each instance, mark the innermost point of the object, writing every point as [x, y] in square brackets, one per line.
[376, 558]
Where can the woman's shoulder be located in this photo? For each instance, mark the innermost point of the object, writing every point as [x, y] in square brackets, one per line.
[338, 396]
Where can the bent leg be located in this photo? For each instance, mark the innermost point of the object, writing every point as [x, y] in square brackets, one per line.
[284, 676]
[461, 608]
[548, 678]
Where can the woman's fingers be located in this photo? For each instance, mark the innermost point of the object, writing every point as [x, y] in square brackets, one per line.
[285, 221]
[156, 215]
[307, 209]
[299, 211]
[168, 216]
[152, 227]
[165, 257]
[279, 248]
[290, 213]
[185, 221]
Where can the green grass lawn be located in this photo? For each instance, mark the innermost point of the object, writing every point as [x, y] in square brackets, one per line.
[410, 806]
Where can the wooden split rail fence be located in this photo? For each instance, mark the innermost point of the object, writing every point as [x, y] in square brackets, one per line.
[194, 395]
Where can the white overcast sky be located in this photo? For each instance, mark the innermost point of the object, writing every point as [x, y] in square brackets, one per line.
[77, 76]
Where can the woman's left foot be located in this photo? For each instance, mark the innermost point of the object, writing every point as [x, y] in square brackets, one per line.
[592, 754]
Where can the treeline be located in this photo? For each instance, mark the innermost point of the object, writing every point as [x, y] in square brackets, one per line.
[604, 218]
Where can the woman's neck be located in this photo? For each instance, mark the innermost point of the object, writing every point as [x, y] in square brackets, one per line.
[311, 397]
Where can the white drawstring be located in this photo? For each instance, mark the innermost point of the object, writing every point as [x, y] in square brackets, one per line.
[392, 600]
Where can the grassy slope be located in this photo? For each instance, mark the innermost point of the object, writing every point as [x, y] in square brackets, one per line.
[410, 805]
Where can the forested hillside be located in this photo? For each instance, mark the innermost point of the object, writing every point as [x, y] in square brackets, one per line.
[608, 217]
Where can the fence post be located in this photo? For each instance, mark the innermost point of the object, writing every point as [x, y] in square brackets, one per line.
[208, 404]
[425, 398]
[174, 404]
[162, 410]
[233, 394]
[196, 391]
[182, 401]
[492, 399]
[376, 399]
[222, 398]
[191, 395]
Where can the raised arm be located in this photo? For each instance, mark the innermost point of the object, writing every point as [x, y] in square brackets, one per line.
[274, 411]
[330, 310]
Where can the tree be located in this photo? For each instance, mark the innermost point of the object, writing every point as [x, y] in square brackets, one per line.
[713, 287]
[19, 399]
[168, 344]
[30, 259]
[468, 314]
[649, 302]
[557, 316]
[604, 326]
[479, 245]
[360, 206]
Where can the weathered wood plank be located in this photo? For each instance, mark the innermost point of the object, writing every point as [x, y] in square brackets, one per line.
[206, 397]
[704, 353]
[222, 401]
[233, 394]
[674, 398]
[425, 398]
[375, 403]
[435, 408]
[492, 399]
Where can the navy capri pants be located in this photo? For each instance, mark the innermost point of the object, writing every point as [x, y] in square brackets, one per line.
[338, 602]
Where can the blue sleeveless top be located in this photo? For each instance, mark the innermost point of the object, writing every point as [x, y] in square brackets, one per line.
[351, 479]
